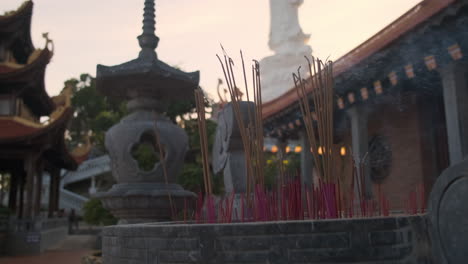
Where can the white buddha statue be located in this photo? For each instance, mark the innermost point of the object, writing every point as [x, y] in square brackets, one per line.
[289, 45]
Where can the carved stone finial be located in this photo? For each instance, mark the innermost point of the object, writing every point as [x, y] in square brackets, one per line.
[148, 40]
[45, 35]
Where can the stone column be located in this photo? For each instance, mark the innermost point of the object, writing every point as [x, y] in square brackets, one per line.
[38, 190]
[456, 110]
[30, 168]
[307, 161]
[50, 210]
[57, 191]
[360, 143]
[54, 175]
[22, 185]
[2, 190]
[281, 154]
[92, 190]
[13, 191]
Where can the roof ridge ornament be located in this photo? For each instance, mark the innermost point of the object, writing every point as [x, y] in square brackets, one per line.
[49, 42]
[148, 40]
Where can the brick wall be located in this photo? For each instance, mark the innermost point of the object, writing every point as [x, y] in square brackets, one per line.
[403, 132]
[377, 240]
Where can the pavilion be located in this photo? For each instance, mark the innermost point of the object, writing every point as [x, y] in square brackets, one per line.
[32, 127]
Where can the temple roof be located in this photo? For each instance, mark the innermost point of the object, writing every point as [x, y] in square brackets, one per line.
[18, 135]
[22, 75]
[15, 27]
[401, 26]
[27, 81]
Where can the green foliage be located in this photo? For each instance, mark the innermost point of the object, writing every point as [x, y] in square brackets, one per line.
[179, 108]
[93, 111]
[96, 214]
[291, 164]
[191, 177]
[145, 155]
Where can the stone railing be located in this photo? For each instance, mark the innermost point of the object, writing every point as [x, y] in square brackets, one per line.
[33, 236]
[88, 169]
[72, 200]
[36, 225]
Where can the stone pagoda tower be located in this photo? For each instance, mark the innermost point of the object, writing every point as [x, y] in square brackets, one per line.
[149, 85]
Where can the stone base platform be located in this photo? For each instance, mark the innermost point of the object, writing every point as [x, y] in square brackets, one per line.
[372, 240]
[135, 203]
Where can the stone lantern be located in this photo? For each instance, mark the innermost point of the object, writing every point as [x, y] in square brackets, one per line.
[149, 85]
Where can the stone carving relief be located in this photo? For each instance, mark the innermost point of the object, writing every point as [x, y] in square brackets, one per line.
[380, 158]
[228, 151]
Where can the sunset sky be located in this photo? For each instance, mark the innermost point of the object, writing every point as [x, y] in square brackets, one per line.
[91, 32]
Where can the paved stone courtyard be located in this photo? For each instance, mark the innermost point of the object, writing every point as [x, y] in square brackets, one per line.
[70, 251]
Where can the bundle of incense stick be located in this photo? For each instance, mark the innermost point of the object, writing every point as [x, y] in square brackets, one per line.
[200, 105]
[320, 88]
[162, 159]
[201, 119]
[252, 132]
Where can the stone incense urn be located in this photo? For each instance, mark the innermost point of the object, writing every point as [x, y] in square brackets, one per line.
[149, 85]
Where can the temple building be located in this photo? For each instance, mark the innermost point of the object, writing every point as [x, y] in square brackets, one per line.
[400, 104]
[32, 125]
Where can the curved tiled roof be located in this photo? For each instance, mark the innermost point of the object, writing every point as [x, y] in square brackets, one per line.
[31, 76]
[16, 131]
[17, 25]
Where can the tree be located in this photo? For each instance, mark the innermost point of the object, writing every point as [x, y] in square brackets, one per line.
[94, 113]
[95, 214]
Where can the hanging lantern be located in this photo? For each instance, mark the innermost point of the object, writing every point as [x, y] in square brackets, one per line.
[340, 103]
[320, 150]
[274, 149]
[351, 98]
[409, 70]
[455, 52]
[343, 151]
[364, 93]
[430, 62]
[393, 78]
[298, 149]
[378, 87]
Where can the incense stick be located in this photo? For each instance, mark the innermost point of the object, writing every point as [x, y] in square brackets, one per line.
[163, 164]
